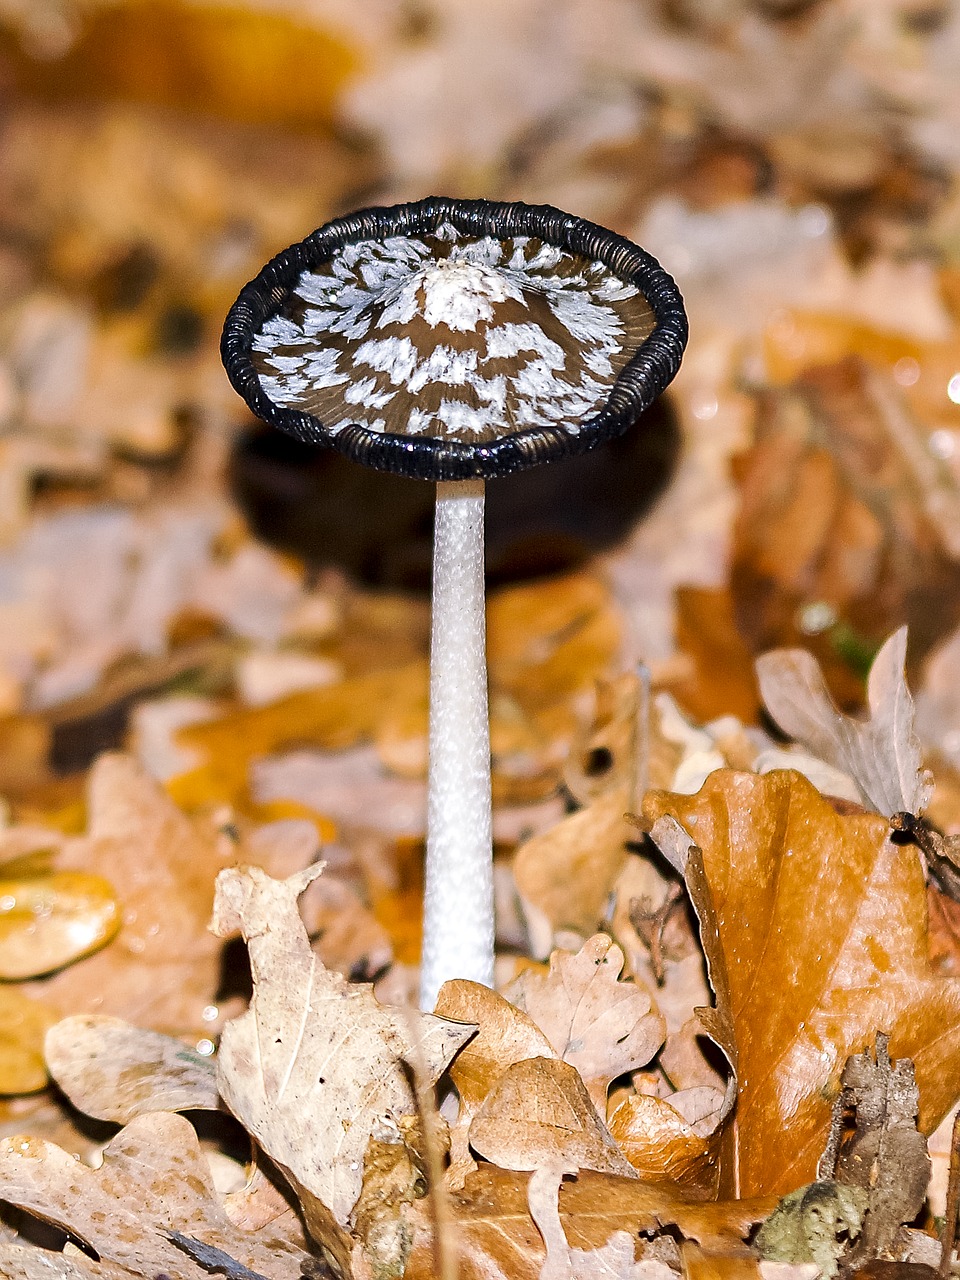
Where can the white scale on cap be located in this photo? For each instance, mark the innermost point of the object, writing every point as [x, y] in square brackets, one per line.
[452, 337]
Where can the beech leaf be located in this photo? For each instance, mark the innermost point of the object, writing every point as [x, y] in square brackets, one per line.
[814, 926]
[882, 753]
[539, 1112]
[51, 920]
[115, 1071]
[23, 1025]
[316, 1063]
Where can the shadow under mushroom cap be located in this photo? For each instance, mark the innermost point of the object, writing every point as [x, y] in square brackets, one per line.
[453, 339]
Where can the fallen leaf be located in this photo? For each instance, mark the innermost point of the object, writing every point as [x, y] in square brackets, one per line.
[614, 1260]
[154, 1180]
[330, 718]
[722, 680]
[664, 1145]
[27, 1262]
[315, 1064]
[601, 1026]
[814, 926]
[53, 919]
[882, 753]
[539, 1112]
[496, 1237]
[23, 1025]
[112, 1070]
[505, 1035]
[566, 874]
[847, 523]
[606, 755]
[732, 1263]
[163, 969]
[546, 640]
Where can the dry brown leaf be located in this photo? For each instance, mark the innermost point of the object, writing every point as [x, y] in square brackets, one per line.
[614, 1260]
[264, 1201]
[548, 639]
[315, 1064]
[663, 1145]
[606, 755]
[505, 1035]
[496, 1237]
[566, 874]
[23, 1025]
[601, 1026]
[27, 1262]
[814, 926]
[730, 1264]
[163, 969]
[154, 1180]
[722, 680]
[539, 1112]
[330, 718]
[882, 753]
[842, 505]
[53, 919]
[115, 1071]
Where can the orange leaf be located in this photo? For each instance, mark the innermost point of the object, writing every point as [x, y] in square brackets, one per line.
[815, 929]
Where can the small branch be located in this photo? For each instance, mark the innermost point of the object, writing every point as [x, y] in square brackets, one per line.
[953, 1202]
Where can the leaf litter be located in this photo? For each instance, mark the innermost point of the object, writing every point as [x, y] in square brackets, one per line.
[572, 1080]
[783, 1014]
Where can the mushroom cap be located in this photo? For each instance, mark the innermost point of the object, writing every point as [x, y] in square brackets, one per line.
[456, 339]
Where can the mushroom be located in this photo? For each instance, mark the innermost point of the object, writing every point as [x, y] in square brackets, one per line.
[454, 341]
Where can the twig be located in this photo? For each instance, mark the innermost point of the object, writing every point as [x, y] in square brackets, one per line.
[953, 1202]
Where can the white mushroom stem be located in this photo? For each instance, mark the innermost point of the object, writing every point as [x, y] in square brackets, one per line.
[458, 900]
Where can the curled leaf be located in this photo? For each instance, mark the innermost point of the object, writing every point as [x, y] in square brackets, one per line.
[881, 753]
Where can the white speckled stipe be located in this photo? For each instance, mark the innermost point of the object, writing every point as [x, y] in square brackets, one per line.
[458, 902]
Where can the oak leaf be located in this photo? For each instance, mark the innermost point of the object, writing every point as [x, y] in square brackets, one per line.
[154, 1181]
[603, 1027]
[505, 1035]
[163, 968]
[814, 925]
[115, 1071]
[881, 753]
[316, 1063]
